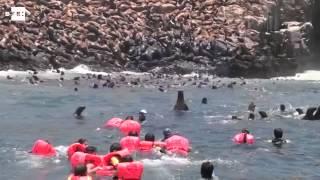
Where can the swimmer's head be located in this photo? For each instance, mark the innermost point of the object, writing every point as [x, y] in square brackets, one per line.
[129, 118]
[282, 107]
[127, 158]
[135, 134]
[207, 170]
[149, 137]
[245, 130]
[278, 133]
[91, 150]
[80, 170]
[115, 147]
[167, 132]
[82, 141]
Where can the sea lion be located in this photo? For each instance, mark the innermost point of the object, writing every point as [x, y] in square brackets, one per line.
[309, 114]
[204, 100]
[180, 104]
[78, 113]
[263, 114]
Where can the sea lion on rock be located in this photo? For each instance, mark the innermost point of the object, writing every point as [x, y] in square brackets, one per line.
[180, 104]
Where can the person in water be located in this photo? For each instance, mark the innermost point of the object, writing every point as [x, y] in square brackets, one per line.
[149, 144]
[175, 144]
[129, 169]
[244, 137]
[79, 173]
[43, 148]
[142, 115]
[207, 172]
[79, 145]
[278, 140]
[131, 142]
[130, 125]
[166, 134]
[113, 158]
[282, 108]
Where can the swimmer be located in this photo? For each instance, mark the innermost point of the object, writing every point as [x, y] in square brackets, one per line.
[129, 169]
[204, 100]
[80, 172]
[116, 153]
[207, 172]
[166, 134]
[150, 144]
[278, 140]
[282, 108]
[142, 115]
[244, 137]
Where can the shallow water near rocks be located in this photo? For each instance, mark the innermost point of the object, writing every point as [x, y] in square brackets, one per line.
[45, 111]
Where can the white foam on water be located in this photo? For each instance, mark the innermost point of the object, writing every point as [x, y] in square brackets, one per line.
[166, 160]
[310, 75]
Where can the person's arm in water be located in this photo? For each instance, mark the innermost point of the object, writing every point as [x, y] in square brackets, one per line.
[91, 169]
[115, 161]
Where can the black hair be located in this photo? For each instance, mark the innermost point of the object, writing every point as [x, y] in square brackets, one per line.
[133, 134]
[282, 107]
[278, 133]
[115, 147]
[207, 170]
[127, 158]
[149, 137]
[204, 100]
[80, 170]
[82, 141]
[91, 150]
[129, 118]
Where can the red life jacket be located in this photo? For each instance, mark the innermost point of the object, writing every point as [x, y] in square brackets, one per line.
[78, 158]
[130, 171]
[75, 147]
[113, 123]
[243, 138]
[128, 126]
[73, 177]
[43, 148]
[130, 142]
[177, 145]
[107, 158]
[94, 159]
[147, 146]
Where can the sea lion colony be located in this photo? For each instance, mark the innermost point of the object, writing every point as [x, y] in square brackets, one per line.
[178, 36]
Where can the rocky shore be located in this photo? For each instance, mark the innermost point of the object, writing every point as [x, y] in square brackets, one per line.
[232, 38]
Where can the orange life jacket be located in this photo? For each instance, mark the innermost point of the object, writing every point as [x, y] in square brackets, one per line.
[75, 147]
[107, 158]
[147, 146]
[177, 145]
[43, 148]
[78, 158]
[130, 171]
[130, 142]
[128, 126]
[73, 177]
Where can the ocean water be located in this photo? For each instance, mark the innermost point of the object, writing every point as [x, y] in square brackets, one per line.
[29, 112]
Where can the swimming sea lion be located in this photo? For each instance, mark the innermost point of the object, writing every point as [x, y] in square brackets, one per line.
[78, 113]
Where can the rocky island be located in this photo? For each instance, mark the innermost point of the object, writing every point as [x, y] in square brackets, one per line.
[232, 38]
